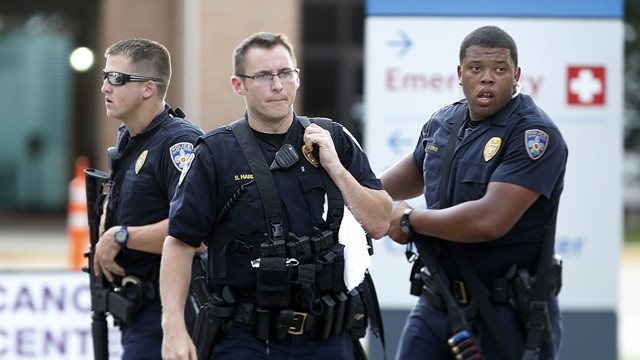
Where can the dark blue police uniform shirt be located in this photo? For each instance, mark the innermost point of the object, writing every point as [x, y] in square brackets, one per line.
[219, 169]
[151, 180]
[519, 145]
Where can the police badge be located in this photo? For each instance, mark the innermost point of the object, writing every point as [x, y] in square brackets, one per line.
[140, 161]
[308, 154]
[491, 148]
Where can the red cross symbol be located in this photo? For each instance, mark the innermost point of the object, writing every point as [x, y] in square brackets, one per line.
[586, 85]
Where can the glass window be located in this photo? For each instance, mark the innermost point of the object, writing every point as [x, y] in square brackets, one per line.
[321, 88]
[320, 24]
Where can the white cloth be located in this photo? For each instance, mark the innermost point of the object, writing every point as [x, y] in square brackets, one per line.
[356, 250]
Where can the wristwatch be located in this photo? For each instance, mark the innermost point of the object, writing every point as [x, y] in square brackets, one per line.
[405, 225]
[122, 236]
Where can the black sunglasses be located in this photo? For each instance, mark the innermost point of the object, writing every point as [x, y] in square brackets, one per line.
[118, 79]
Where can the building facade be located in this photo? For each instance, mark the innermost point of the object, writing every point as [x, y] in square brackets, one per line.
[57, 114]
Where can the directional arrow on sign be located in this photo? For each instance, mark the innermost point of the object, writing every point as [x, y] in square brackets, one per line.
[404, 43]
[397, 142]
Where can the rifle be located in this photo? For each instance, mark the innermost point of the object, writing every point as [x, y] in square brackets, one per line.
[464, 345]
[96, 184]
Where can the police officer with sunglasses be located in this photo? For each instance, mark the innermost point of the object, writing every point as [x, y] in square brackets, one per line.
[152, 146]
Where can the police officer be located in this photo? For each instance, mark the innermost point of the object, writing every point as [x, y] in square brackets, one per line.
[266, 75]
[152, 147]
[505, 178]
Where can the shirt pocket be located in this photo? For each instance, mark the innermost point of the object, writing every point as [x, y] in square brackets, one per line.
[473, 180]
[245, 214]
[314, 190]
[141, 198]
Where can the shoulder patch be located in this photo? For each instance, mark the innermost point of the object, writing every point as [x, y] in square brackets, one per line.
[535, 142]
[186, 168]
[180, 153]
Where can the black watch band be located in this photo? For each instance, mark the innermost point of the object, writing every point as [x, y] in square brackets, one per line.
[405, 224]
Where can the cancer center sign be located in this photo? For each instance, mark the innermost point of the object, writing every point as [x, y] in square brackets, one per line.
[47, 315]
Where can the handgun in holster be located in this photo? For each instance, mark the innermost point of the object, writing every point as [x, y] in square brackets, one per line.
[213, 312]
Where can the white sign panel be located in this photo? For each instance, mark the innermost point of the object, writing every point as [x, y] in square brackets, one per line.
[48, 316]
[573, 70]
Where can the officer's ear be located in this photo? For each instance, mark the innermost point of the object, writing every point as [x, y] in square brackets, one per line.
[150, 89]
[238, 85]
[516, 75]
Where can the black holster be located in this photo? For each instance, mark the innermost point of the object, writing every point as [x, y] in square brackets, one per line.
[523, 290]
[130, 298]
[212, 317]
[211, 320]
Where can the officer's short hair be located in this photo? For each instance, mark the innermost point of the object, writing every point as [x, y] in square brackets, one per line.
[148, 57]
[265, 40]
[491, 37]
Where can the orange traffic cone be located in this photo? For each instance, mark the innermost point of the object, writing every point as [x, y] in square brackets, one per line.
[77, 223]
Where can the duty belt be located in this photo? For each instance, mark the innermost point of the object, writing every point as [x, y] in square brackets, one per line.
[284, 321]
[501, 290]
[335, 313]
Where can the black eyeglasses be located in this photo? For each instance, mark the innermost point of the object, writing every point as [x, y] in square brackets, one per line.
[265, 78]
[118, 79]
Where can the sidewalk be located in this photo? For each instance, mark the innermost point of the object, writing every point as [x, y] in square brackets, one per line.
[41, 244]
[38, 243]
[629, 305]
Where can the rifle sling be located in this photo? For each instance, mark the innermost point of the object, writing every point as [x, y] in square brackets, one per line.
[430, 248]
[114, 196]
[480, 293]
[476, 287]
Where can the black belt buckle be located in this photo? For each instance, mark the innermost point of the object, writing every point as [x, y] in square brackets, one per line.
[459, 292]
[297, 323]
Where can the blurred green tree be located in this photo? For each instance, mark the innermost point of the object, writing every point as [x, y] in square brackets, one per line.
[632, 76]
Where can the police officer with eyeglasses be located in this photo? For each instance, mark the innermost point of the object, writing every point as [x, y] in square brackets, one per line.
[152, 147]
[218, 202]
